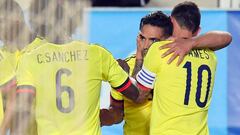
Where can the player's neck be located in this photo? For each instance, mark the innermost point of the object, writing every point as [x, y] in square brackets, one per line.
[182, 33]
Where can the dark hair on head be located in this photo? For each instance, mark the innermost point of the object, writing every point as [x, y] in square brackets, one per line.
[187, 15]
[158, 19]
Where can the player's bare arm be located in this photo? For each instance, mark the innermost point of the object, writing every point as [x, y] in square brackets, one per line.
[114, 114]
[180, 47]
[24, 98]
[213, 40]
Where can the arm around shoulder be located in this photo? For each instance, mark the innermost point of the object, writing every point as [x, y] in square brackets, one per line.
[213, 40]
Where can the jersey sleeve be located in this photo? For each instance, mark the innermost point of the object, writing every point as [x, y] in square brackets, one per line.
[151, 65]
[116, 95]
[7, 67]
[112, 72]
[37, 42]
[24, 72]
[25, 68]
[7, 72]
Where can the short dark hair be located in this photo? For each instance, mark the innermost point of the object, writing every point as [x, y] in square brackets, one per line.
[187, 15]
[158, 19]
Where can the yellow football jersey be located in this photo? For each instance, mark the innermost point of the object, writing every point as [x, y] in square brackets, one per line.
[8, 62]
[182, 94]
[37, 42]
[67, 79]
[136, 116]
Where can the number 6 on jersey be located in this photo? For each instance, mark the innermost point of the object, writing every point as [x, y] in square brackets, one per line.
[60, 89]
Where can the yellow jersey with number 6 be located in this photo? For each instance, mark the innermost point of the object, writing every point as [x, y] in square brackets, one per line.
[67, 79]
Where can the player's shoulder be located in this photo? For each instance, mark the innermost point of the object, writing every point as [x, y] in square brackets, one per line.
[80, 42]
[202, 54]
[7, 54]
[36, 43]
[154, 48]
[97, 46]
[212, 54]
[159, 43]
[207, 50]
[99, 49]
[131, 58]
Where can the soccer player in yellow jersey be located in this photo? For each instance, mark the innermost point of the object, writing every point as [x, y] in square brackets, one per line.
[64, 77]
[153, 27]
[120, 107]
[15, 35]
[182, 94]
[69, 102]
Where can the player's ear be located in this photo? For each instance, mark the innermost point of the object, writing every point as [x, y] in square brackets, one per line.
[175, 24]
[197, 32]
[172, 19]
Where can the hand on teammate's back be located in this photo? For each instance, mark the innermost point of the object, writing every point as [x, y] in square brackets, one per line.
[180, 47]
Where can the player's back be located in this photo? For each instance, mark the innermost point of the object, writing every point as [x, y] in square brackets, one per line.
[182, 94]
[67, 79]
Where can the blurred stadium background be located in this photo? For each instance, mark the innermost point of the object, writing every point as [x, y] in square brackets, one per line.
[116, 28]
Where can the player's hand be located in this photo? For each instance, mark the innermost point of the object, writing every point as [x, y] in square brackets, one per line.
[143, 96]
[140, 48]
[104, 114]
[178, 48]
[124, 65]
